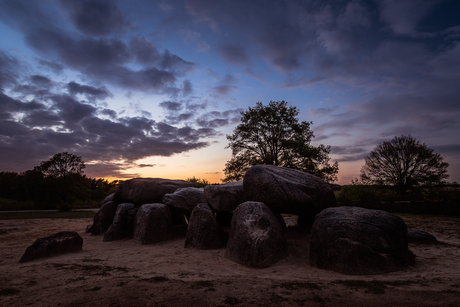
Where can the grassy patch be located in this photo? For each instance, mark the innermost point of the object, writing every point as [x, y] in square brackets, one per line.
[293, 285]
[202, 284]
[90, 269]
[8, 291]
[155, 279]
[91, 260]
[5, 231]
[231, 300]
[277, 299]
[373, 286]
[47, 215]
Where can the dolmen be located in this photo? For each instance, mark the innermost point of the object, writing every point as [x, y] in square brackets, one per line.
[245, 218]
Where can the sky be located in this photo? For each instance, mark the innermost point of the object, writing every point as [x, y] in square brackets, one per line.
[152, 88]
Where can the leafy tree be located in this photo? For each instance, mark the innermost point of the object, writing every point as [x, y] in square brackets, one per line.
[61, 165]
[271, 134]
[404, 163]
[199, 182]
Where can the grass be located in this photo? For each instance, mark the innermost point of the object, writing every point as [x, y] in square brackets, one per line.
[373, 286]
[90, 269]
[47, 215]
[293, 285]
[8, 291]
[155, 279]
[202, 284]
[5, 231]
[231, 300]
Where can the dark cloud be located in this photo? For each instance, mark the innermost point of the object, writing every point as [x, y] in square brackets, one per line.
[8, 69]
[96, 17]
[187, 88]
[109, 112]
[224, 90]
[217, 119]
[234, 54]
[91, 92]
[72, 111]
[41, 81]
[55, 67]
[144, 51]
[70, 125]
[100, 58]
[394, 14]
[171, 105]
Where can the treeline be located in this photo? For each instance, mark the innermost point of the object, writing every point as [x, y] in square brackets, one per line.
[58, 183]
[33, 190]
[441, 199]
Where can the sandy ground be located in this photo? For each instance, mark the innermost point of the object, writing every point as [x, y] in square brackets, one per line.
[126, 273]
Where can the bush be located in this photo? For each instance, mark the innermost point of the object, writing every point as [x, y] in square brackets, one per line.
[200, 183]
[358, 195]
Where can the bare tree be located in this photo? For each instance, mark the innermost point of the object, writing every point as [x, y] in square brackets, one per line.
[404, 163]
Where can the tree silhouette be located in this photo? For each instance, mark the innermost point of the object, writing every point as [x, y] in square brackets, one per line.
[61, 165]
[404, 163]
[271, 134]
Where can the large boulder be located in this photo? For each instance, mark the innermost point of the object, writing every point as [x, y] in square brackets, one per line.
[147, 190]
[184, 199]
[107, 213]
[203, 231]
[56, 244]
[225, 197]
[103, 218]
[152, 223]
[108, 198]
[353, 240]
[286, 190]
[256, 237]
[123, 223]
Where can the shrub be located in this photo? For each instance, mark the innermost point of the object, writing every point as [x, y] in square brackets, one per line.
[358, 195]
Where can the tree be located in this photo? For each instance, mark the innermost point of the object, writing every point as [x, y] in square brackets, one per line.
[61, 165]
[404, 163]
[271, 134]
[199, 182]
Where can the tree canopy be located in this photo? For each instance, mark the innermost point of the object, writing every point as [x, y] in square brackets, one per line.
[272, 134]
[61, 165]
[404, 163]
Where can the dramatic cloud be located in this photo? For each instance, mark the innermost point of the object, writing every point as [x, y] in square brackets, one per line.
[91, 92]
[116, 81]
[96, 17]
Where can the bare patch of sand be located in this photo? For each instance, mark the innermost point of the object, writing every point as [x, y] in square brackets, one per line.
[126, 273]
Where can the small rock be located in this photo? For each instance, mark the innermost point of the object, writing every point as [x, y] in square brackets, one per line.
[56, 244]
[420, 236]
